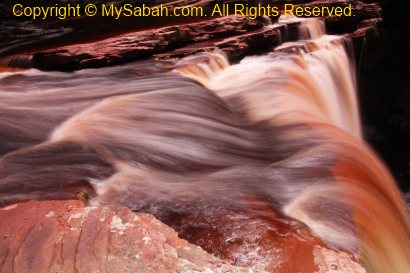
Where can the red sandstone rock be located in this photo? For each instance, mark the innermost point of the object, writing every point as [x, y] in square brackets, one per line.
[65, 236]
[237, 36]
[235, 47]
[141, 44]
[261, 238]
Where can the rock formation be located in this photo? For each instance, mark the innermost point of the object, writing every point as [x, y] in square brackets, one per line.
[65, 236]
[237, 36]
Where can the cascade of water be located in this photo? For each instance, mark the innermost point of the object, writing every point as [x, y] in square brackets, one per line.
[15, 63]
[323, 73]
[261, 143]
[317, 86]
[266, 20]
[310, 28]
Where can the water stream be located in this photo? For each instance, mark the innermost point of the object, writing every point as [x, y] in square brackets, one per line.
[240, 159]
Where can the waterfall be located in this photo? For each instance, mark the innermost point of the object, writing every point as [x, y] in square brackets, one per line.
[266, 20]
[317, 86]
[15, 63]
[309, 28]
[247, 160]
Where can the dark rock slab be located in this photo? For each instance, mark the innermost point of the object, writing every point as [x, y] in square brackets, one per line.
[235, 47]
[236, 36]
[137, 45]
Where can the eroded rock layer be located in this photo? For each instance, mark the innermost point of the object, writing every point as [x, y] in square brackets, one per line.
[237, 36]
[65, 236]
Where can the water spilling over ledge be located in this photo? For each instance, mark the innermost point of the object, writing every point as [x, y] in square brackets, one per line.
[259, 162]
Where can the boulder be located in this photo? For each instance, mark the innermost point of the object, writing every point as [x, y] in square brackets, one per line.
[66, 236]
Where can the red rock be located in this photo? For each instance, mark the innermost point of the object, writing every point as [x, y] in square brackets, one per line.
[260, 238]
[235, 47]
[65, 236]
[189, 36]
[137, 45]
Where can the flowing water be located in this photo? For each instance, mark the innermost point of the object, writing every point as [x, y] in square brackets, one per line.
[242, 159]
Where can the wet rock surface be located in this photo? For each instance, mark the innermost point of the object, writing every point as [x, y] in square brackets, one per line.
[65, 236]
[261, 238]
